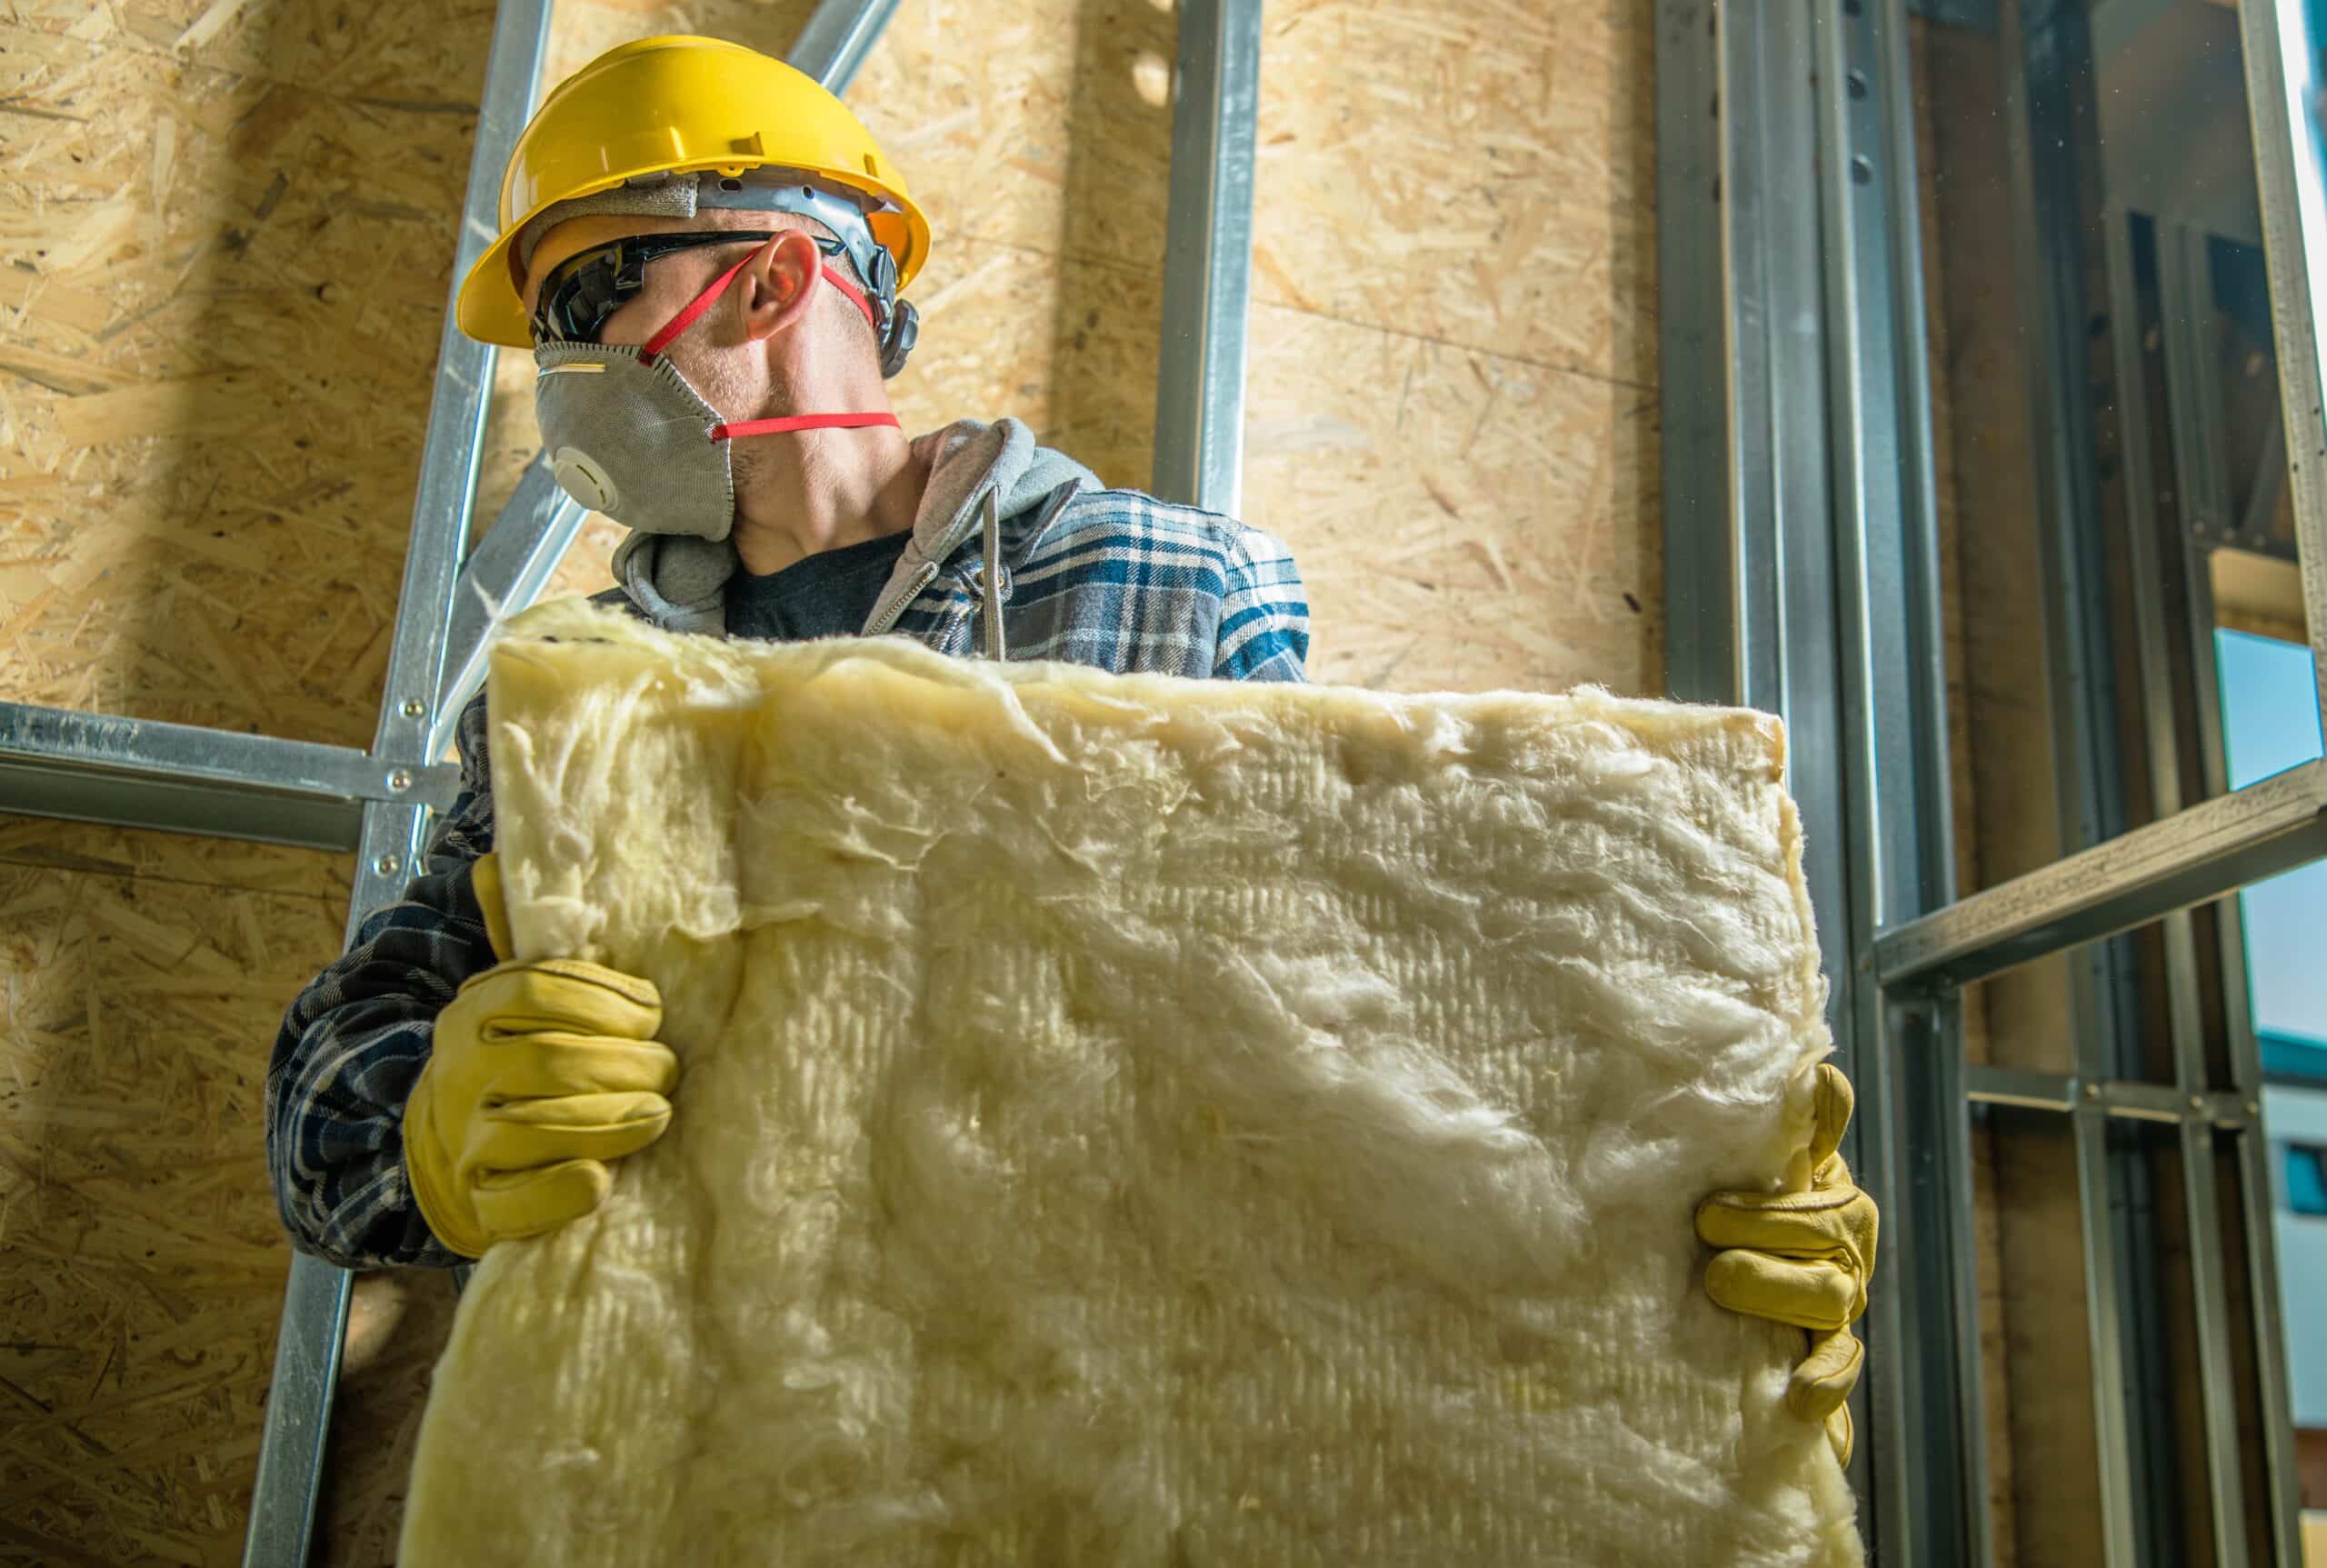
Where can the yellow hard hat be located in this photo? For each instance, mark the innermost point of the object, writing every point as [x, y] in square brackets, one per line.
[676, 105]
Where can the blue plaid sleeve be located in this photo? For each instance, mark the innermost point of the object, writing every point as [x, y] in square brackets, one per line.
[352, 1045]
[1263, 613]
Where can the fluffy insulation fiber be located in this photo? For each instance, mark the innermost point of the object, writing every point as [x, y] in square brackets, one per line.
[1133, 1121]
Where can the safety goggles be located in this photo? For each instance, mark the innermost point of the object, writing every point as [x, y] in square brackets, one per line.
[586, 289]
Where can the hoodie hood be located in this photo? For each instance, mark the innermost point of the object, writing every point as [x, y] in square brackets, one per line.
[680, 582]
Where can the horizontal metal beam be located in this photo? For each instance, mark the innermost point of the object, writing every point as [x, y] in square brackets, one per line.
[2204, 537]
[2017, 1087]
[2131, 1101]
[2190, 857]
[833, 46]
[183, 778]
[505, 573]
[2164, 1102]
[169, 806]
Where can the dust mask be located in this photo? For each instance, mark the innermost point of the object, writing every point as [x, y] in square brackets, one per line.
[628, 437]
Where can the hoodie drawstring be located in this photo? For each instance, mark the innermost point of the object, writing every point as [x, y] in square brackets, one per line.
[990, 579]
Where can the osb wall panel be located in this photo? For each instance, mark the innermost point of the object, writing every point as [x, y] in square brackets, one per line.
[74, 846]
[1452, 415]
[227, 225]
[1454, 405]
[1481, 173]
[141, 1264]
[1464, 520]
[974, 102]
[220, 327]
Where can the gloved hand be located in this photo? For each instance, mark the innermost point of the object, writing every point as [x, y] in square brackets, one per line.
[1803, 1256]
[540, 1072]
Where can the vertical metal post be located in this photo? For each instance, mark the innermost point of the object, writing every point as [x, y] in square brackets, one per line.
[1744, 455]
[308, 1346]
[308, 1342]
[1694, 208]
[509, 567]
[2283, 94]
[1751, 620]
[2038, 41]
[833, 46]
[2156, 630]
[2283, 90]
[1927, 1396]
[1802, 578]
[1743, 459]
[2186, 349]
[1208, 256]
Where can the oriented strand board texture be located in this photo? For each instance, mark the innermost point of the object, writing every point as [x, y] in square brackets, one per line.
[228, 230]
[141, 1261]
[226, 250]
[1137, 1121]
[1455, 214]
[224, 239]
[1452, 407]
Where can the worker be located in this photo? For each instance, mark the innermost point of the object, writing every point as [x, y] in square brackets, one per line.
[708, 254]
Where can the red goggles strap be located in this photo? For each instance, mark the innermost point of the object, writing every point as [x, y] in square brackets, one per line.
[854, 296]
[704, 302]
[800, 422]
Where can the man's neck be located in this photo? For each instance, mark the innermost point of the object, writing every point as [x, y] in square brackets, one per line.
[820, 490]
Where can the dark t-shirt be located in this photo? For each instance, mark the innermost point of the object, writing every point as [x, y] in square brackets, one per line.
[827, 595]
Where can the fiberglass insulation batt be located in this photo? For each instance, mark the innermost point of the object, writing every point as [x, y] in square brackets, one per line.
[1135, 1120]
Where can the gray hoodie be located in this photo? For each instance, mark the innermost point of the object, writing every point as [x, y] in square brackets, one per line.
[680, 582]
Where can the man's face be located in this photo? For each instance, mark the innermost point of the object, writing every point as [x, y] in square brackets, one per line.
[671, 282]
[738, 385]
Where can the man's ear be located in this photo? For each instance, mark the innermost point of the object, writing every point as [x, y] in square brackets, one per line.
[778, 286]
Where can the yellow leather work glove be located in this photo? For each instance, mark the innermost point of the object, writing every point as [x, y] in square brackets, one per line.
[1803, 1256]
[540, 1074]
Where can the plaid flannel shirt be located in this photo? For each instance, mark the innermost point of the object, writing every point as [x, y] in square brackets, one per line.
[1113, 579]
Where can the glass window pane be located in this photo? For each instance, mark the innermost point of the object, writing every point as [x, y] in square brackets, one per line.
[2295, 1119]
[2269, 704]
[2260, 516]
[2098, 1177]
[2306, 1177]
[2086, 1249]
[2270, 723]
[2111, 463]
